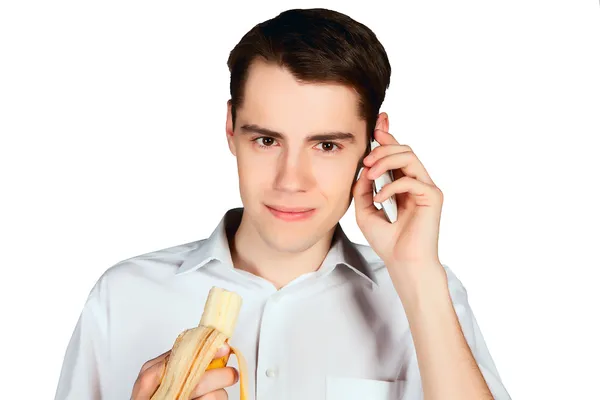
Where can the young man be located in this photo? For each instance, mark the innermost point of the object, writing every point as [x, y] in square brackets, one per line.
[322, 317]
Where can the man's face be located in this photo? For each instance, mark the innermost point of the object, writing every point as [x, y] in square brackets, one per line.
[290, 169]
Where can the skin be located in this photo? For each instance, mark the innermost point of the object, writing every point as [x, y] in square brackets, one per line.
[292, 171]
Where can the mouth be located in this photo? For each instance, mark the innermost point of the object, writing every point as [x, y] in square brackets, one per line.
[291, 213]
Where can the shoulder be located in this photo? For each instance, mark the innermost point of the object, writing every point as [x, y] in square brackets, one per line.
[138, 271]
[157, 262]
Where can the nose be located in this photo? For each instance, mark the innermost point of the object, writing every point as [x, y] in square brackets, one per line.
[294, 173]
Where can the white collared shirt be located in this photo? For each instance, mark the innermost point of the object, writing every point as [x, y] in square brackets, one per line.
[337, 333]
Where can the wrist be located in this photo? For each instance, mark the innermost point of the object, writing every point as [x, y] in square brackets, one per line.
[416, 283]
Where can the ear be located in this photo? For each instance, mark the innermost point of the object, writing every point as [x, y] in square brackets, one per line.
[383, 122]
[229, 130]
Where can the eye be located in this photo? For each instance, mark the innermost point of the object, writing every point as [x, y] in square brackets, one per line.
[268, 141]
[330, 147]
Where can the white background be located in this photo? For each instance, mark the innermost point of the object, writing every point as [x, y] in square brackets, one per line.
[112, 117]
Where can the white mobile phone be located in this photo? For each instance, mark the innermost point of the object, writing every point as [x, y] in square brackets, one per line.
[389, 205]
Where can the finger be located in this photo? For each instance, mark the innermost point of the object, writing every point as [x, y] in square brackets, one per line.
[384, 138]
[220, 394]
[215, 379]
[425, 195]
[382, 151]
[155, 360]
[148, 381]
[363, 194]
[403, 164]
[223, 351]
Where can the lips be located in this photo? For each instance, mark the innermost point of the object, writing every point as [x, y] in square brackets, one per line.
[297, 213]
[291, 209]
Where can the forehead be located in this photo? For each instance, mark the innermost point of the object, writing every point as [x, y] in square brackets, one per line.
[274, 98]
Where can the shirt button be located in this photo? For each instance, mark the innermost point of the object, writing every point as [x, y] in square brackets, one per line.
[270, 372]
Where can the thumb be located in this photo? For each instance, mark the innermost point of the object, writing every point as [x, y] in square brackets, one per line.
[223, 351]
[363, 195]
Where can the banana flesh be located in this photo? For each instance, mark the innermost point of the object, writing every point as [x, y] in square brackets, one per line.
[194, 349]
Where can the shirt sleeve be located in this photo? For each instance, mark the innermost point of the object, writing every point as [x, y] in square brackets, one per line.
[83, 374]
[474, 337]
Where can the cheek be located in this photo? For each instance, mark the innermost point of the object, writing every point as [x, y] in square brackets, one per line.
[254, 172]
[336, 181]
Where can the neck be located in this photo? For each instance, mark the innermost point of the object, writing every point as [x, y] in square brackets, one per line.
[249, 252]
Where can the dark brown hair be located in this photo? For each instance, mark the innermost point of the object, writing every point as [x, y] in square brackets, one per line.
[316, 45]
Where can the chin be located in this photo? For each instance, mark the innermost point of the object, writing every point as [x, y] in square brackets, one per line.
[287, 236]
[289, 243]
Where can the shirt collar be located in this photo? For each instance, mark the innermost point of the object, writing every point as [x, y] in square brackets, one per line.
[216, 247]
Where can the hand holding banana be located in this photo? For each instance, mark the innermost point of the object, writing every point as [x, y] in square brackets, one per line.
[212, 384]
[195, 368]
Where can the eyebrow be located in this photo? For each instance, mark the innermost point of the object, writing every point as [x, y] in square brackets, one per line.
[321, 137]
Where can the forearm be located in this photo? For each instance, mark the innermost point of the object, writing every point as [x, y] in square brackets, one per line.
[446, 365]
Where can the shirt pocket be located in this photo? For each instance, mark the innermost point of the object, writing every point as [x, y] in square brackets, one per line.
[343, 388]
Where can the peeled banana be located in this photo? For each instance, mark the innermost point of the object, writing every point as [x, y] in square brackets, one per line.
[194, 349]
